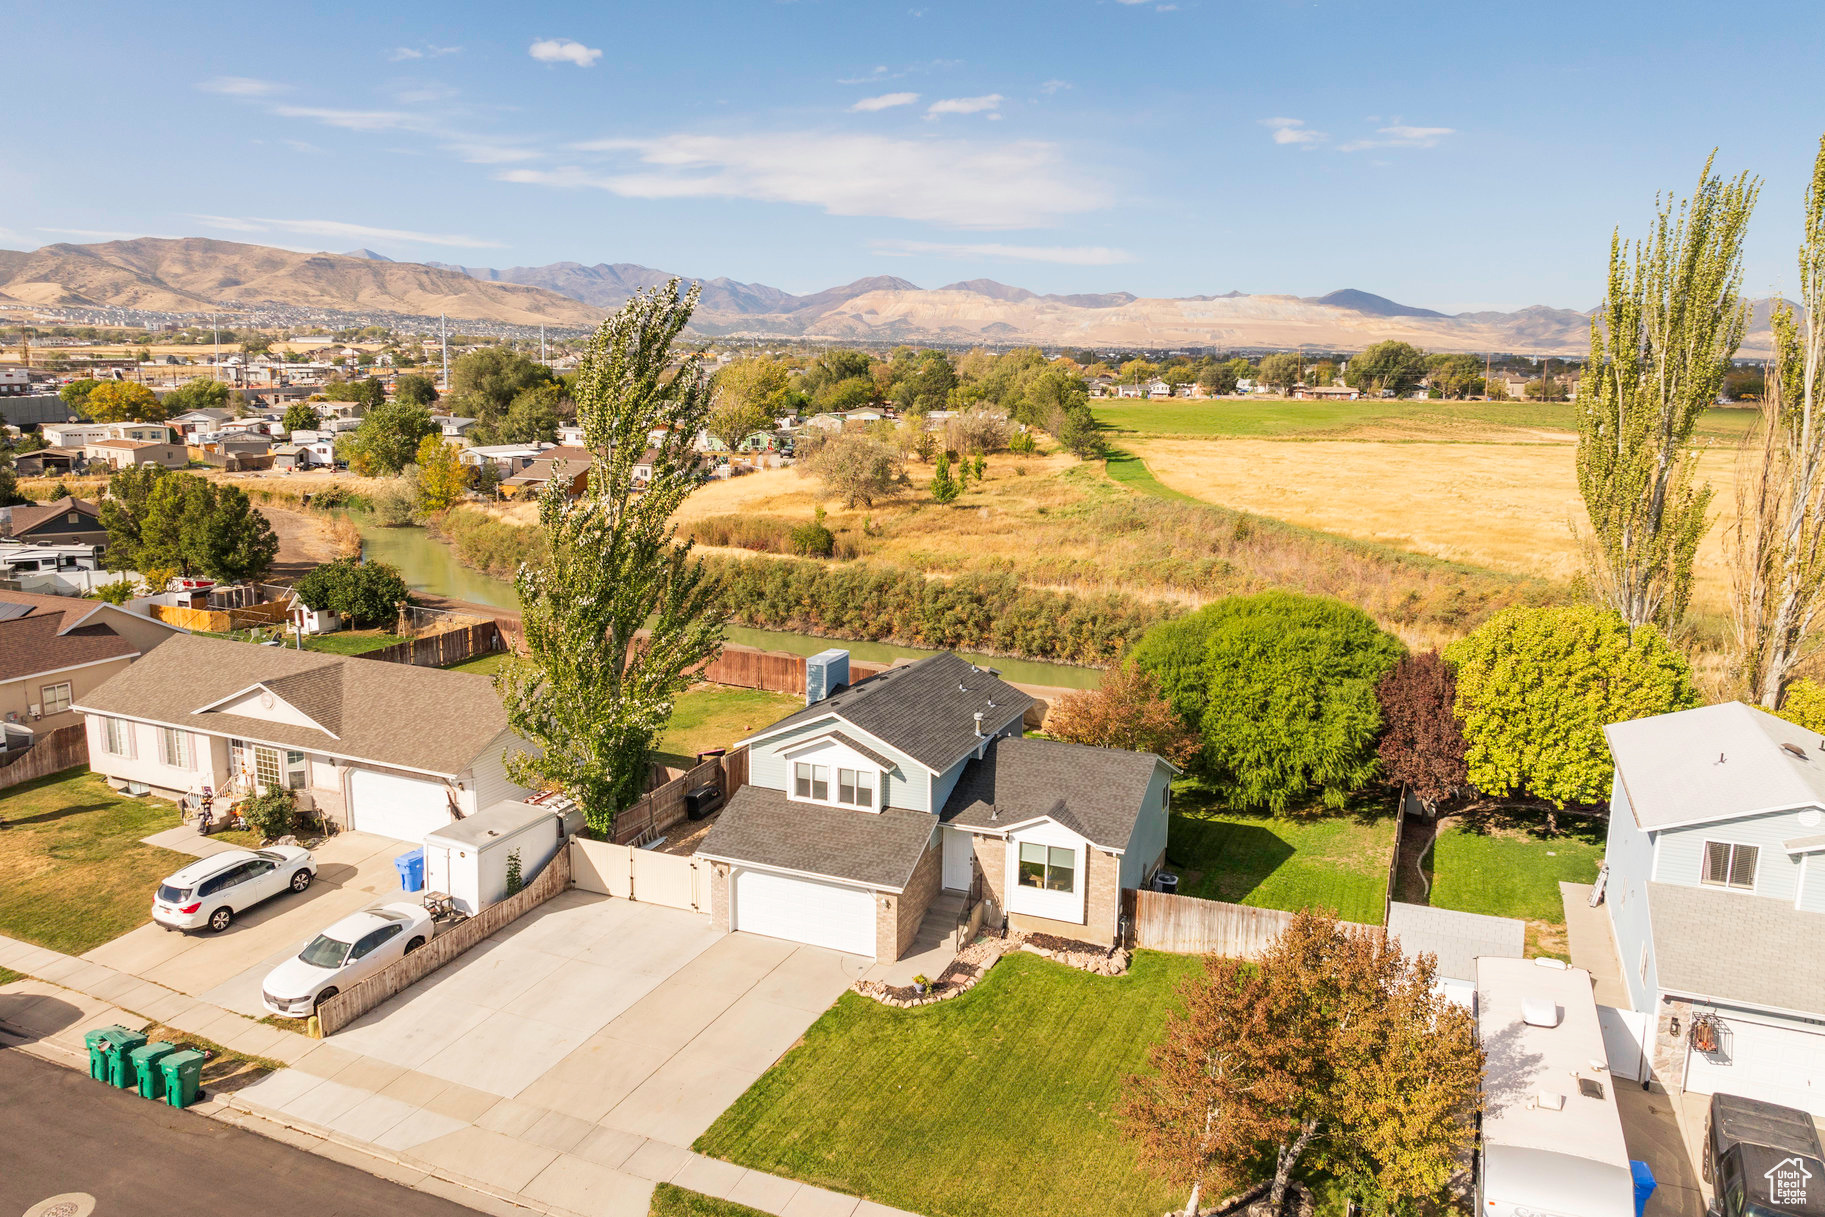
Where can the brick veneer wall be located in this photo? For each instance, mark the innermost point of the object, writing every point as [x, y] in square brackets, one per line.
[897, 918]
[1101, 913]
[719, 897]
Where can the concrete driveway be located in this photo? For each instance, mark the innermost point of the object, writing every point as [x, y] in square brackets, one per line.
[354, 870]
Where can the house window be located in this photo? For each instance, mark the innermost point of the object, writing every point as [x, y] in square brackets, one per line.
[1729, 865]
[1052, 868]
[294, 770]
[855, 787]
[811, 781]
[56, 698]
[119, 739]
[174, 747]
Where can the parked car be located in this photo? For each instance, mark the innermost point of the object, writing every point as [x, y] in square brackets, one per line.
[212, 891]
[1760, 1157]
[350, 951]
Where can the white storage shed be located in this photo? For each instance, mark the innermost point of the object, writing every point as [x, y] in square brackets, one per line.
[468, 859]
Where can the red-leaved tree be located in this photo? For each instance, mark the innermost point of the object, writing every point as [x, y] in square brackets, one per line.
[1422, 743]
[1128, 710]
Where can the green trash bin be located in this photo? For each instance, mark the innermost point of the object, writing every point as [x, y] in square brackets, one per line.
[145, 1060]
[183, 1073]
[99, 1045]
[117, 1042]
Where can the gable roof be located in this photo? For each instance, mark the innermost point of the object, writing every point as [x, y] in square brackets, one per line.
[1098, 793]
[1672, 773]
[48, 633]
[28, 517]
[926, 709]
[765, 827]
[389, 713]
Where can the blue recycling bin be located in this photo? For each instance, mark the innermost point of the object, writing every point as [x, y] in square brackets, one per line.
[1644, 1185]
[411, 868]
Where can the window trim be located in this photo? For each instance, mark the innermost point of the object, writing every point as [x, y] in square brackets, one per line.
[1704, 858]
[175, 748]
[115, 733]
[44, 700]
[1047, 865]
[803, 782]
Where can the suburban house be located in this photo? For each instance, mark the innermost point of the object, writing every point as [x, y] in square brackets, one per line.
[80, 435]
[47, 461]
[508, 458]
[385, 748]
[532, 477]
[126, 453]
[867, 804]
[55, 649]
[199, 422]
[67, 520]
[1716, 895]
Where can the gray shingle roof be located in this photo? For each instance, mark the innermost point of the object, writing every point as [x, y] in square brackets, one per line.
[1736, 947]
[764, 827]
[926, 709]
[1457, 939]
[1098, 793]
[388, 713]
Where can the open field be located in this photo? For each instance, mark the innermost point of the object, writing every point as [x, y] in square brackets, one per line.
[1026, 1067]
[1269, 418]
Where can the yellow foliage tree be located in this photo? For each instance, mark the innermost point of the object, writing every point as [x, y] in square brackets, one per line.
[440, 475]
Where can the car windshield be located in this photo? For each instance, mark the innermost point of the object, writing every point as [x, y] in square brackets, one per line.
[325, 952]
[271, 855]
[173, 895]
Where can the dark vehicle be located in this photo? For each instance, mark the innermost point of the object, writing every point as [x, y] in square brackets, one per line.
[699, 803]
[1762, 1160]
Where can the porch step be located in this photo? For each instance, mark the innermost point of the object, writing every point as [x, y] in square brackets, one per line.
[940, 920]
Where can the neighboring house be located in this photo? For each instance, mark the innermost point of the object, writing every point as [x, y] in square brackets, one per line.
[1716, 895]
[55, 649]
[47, 461]
[127, 453]
[455, 429]
[64, 521]
[864, 806]
[1327, 393]
[192, 423]
[15, 381]
[575, 463]
[384, 748]
[1131, 390]
[508, 458]
[81, 435]
[1158, 388]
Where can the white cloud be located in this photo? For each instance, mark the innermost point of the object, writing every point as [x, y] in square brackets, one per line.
[1067, 255]
[96, 234]
[479, 151]
[885, 101]
[357, 120]
[422, 93]
[965, 105]
[1400, 136]
[243, 86]
[1293, 131]
[1054, 86]
[564, 50]
[400, 54]
[879, 73]
[958, 183]
[342, 230]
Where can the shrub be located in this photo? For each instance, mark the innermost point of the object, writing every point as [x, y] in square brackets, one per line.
[1535, 688]
[488, 543]
[1128, 710]
[763, 534]
[359, 591]
[1422, 745]
[812, 540]
[272, 814]
[1804, 704]
[1282, 690]
[854, 466]
[394, 503]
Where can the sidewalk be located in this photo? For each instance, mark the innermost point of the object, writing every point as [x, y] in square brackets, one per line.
[500, 1156]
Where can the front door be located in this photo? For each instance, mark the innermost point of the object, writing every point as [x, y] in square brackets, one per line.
[959, 859]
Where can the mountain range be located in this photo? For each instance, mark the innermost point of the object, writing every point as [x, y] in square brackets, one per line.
[197, 274]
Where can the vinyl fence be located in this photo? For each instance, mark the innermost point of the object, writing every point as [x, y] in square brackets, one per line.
[1186, 925]
[673, 880]
[64, 748]
[344, 1008]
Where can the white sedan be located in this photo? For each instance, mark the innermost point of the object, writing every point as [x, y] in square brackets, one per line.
[350, 951]
[211, 891]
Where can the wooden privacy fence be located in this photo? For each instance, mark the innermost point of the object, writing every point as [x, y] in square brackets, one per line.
[64, 748]
[442, 649]
[1186, 925]
[344, 1008]
[664, 807]
[675, 881]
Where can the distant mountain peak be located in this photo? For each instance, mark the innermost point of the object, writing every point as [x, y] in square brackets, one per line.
[1371, 305]
[367, 255]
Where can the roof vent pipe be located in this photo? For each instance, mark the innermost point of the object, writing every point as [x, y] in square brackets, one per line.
[978, 724]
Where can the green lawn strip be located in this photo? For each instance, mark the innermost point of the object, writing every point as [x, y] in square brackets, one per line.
[351, 642]
[715, 716]
[1017, 1079]
[1513, 869]
[8, 976]
[1132, 472]
[1327, 859]
[73, 873]
[482, 665]
[1275, 418]
[670, 1200]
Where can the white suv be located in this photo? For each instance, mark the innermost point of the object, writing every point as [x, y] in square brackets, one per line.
[209, 892]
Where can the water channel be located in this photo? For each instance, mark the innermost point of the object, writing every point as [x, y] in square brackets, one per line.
[429, 565]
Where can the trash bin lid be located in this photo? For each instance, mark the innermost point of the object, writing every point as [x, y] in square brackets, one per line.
[151, 1050]
[120, 1039]
[411, 856]
[174, 1061]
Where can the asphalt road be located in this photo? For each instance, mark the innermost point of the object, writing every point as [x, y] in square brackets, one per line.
[60, 1132]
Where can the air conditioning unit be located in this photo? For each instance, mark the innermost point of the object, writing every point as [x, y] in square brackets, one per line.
[35, 711]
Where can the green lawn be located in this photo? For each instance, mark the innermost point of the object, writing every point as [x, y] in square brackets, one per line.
[994, 1104]
[483, 665]
[1132, 472]
[715, 716]
[8, 976]
[343, 642]
[1511, 868]
[1270, 418]
[670, 1200]
[73, 873]
[1331, 860]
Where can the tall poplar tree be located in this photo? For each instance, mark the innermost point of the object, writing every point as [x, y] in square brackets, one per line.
[595, 693]
[1661, 343]
[1777, 545]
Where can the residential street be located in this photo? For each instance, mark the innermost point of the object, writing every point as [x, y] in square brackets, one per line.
[60, 1132]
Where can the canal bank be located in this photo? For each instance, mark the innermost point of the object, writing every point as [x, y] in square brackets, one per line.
[430, 567]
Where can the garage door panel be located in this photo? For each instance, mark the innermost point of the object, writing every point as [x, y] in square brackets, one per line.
[1784, 1065]
[393, 805]
[803, 910]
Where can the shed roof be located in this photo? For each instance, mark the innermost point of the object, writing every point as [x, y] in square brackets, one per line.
[496, 822]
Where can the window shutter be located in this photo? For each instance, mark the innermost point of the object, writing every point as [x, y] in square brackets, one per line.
[1717, 862]
[1742, 866]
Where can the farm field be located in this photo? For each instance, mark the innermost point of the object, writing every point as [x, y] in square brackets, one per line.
[1269, 418]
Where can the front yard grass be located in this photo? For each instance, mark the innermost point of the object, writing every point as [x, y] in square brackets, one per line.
[1507, 866]
[73, 873]
[670, 1200]
[994, 1104]
[1335, 860]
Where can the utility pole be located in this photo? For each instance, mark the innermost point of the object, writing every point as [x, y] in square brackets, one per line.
[542, 344]
[1487, 356]
[443, 330]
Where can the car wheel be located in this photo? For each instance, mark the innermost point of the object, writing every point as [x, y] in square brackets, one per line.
[413, 945]
[221, 919]
[323, 997]
[300, 881]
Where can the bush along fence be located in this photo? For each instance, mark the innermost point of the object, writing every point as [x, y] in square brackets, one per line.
[345, 1007]
[53, 752]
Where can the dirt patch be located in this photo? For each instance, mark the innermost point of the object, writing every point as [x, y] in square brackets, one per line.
[307, 540]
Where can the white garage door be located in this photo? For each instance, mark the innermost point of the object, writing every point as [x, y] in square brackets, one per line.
[1758, 1061]
[395, 806]
[803, 910]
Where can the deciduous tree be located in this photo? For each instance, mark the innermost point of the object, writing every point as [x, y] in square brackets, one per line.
[1282, 370]
[197, 393]
[1127, 710]
[301, 416]
[1422, 746]
[1391, 367]
[441, 479]
[414, 389]
[362, 592]
[122, 401]
[158, 520]
[1661, 342]
[854, 466]
[593, 695]
[388, 438]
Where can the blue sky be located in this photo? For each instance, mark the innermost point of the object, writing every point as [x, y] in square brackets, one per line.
[1456, 156]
